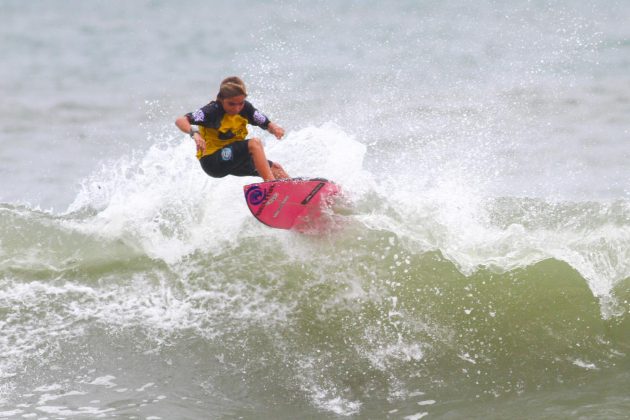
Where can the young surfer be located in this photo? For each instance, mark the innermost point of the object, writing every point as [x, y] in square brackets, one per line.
[222, 144]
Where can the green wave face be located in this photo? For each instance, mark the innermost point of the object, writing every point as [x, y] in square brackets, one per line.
[359, 321]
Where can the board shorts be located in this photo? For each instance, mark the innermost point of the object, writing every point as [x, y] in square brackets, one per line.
[233, 159]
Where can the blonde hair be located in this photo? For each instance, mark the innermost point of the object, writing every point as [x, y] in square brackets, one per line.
[231, 87]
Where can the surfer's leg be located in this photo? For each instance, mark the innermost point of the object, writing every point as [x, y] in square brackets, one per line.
[261, 164]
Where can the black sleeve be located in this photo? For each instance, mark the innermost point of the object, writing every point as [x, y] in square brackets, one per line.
[208, 116]
[254, 116]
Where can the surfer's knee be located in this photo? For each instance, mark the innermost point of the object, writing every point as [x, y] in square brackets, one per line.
[255, 145]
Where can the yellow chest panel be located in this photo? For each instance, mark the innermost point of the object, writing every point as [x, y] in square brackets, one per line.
[233, 128]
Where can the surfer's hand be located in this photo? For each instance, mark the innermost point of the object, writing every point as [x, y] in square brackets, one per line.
[200, 142]
[276, 130]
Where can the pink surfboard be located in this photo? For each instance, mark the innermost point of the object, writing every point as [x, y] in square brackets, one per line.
[294, 203]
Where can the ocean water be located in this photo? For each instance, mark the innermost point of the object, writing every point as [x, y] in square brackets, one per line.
[482, 272]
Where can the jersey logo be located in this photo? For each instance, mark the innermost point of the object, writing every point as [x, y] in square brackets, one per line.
[198, 115]
[226, 153]
[259, 118]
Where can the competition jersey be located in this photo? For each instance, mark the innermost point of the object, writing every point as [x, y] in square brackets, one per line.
[219, 129]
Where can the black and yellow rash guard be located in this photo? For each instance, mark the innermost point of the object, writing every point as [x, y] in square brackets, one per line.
[219, 129]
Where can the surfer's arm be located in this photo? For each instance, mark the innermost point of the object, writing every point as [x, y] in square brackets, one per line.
[183, 123]
[258, 119]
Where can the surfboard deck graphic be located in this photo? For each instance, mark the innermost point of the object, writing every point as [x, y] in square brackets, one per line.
[294, 203]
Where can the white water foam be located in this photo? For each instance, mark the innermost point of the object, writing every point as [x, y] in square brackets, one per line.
[162, 202]
[456, 216]
[324, 393]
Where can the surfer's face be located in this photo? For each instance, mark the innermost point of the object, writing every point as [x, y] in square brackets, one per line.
[233, 105]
